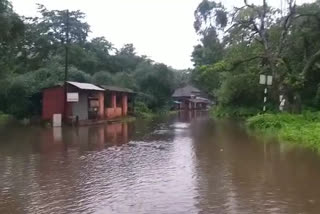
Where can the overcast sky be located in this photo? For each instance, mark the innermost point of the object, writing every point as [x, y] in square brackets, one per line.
[160, 29]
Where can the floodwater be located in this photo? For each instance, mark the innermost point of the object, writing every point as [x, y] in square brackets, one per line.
[184, 164]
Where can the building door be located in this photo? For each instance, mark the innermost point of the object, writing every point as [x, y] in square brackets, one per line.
[80, 109]
[93, 108]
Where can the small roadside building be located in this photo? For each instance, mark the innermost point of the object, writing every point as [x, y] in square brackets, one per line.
[85, 102]
[189, 98]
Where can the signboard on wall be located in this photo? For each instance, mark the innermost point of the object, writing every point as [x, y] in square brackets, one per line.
[72, 97]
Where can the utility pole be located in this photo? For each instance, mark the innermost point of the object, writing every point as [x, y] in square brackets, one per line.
[67, 48]
[265, 80]
[66, 63]
[265, 99]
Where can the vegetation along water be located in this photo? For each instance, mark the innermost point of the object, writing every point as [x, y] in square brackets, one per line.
[238, 45]
[303, 129]
[185, 163]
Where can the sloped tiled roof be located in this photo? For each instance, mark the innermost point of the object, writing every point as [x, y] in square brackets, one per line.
[117, 89]
[186, 91]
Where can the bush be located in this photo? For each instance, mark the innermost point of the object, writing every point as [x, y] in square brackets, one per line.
[141, 110]
[303, 129]
[5, 119]
[17, 97]
[239, 89]
[232, 112]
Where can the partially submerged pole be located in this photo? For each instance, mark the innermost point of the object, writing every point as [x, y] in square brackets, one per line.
[66, 65]
[265, 80]
[265, 99]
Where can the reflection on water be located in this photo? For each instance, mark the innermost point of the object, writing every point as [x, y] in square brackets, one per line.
[184, 164]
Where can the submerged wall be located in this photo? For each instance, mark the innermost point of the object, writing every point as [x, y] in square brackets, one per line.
[114, 111]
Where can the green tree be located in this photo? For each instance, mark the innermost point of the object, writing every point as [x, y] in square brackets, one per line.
[260, 39]
[11, 29]
[32, 57]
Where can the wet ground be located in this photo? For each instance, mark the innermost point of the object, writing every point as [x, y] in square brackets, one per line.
[184, 164]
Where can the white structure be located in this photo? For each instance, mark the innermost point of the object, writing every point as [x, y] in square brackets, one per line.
[267, 81]
[57, 120]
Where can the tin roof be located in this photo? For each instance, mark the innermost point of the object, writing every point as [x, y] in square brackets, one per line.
[117, 89]
[85, 86]
[199, 100]
[186, 91]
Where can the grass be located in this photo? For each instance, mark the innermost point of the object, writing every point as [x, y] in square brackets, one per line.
[302, 129]
[232, 112]
[144, 115]
[150, 115]
[142, 111]
[5, 119]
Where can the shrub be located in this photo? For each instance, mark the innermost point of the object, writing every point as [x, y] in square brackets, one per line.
[141, 110]
[5, 119]
[233, 112]
[303, 129]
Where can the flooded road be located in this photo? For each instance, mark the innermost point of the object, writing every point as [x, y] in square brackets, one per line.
[184, 164]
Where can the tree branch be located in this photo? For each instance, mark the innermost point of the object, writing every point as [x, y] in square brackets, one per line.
[235, 64]
[286, 25]
[247, 4]
[313, 59]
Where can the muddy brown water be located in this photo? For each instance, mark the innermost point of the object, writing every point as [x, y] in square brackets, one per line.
[184, 164]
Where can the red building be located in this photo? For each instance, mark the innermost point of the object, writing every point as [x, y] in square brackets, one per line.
[85, 102]
[116, 101]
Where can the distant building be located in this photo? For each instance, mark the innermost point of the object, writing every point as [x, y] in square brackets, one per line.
[85, 102]
[189, 97]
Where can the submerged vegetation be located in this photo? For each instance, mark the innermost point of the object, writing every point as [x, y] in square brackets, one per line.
[302, 129]
[232, 112]
[142, 111]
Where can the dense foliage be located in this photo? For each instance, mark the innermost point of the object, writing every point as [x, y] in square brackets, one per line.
[303, 129]
[32, 57]
[240, 44]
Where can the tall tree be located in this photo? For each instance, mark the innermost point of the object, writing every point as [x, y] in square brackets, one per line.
[11, 29]
[263, 37]
[53, 23]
